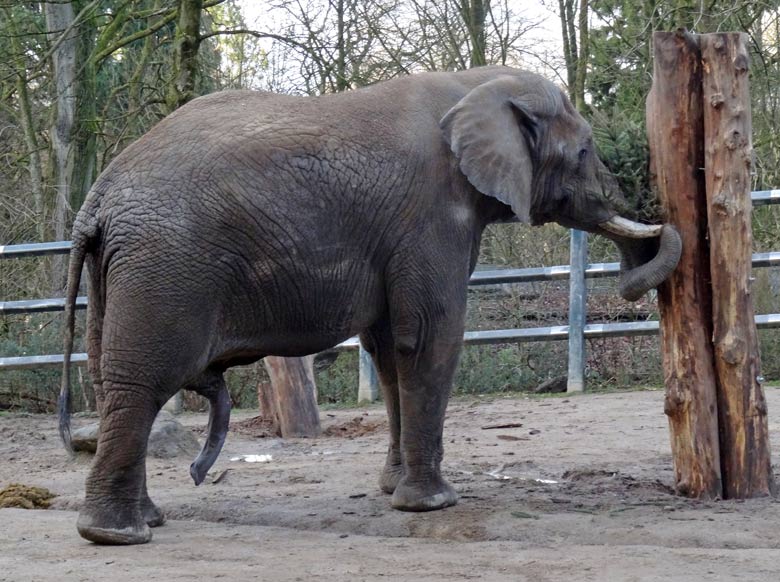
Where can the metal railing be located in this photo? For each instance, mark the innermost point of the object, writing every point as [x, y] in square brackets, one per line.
[493, 277]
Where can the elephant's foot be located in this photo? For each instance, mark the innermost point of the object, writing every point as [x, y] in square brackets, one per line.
[153, 515]
[434, 493]
[111, 527]
[390, 477]
[392, 473]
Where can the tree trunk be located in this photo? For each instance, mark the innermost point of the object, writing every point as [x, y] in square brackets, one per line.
[744, 448]
[34, 166]
[59, 17]
[342, 83]
[293, 397]
[567, 14]
[582, 58]
[474, 13]
[185, 54]
[676, 136]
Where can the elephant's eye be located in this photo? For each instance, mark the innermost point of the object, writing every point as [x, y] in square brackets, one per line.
[582, 154]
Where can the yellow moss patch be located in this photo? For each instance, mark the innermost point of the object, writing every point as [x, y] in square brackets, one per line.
[26, 497]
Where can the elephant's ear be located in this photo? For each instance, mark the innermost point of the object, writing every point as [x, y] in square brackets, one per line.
[492, 131]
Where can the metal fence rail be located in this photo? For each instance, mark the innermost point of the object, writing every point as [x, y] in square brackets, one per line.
[492, 277]
[496, 336]
[61, 247]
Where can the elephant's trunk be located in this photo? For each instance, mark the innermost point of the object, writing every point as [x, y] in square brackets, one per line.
[647, 262]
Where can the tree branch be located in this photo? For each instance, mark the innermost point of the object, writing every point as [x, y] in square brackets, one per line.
[169, 17]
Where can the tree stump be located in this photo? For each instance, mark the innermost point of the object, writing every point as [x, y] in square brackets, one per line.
[676, 135]
[744, 447]
[291, 398]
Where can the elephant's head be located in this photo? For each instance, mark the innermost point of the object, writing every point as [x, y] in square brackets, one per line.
[520, 140]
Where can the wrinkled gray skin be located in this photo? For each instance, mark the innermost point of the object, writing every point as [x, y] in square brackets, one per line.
[249, 224]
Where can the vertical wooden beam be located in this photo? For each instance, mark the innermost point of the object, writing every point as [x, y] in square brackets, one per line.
[294, 396]
[744, 446]
[676, 136]
[266, 399]
[578, 259]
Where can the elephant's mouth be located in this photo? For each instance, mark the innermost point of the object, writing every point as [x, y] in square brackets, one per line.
[650, 254]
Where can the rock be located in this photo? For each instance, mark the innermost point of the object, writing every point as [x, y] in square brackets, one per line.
[168, 438]
[552, 386]
[85, 438]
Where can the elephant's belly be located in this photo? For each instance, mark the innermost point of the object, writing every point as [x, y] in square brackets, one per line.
[308, 314]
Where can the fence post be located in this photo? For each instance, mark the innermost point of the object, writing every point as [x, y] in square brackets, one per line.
[368, 385]
[577, 308]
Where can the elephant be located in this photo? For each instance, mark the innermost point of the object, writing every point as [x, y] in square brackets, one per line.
[248, 224]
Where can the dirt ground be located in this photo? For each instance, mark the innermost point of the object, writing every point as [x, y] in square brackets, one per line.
[580, 491]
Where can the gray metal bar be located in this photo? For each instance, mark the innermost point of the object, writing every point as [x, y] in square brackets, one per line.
[560, 332]
[50, 361]
[499, 276]
[498, 336]
[38, 305]
[61, 247]
[557, 273]
[766, 260]
[759, 198]
[368, 384]
[765, 197]
[577, 311]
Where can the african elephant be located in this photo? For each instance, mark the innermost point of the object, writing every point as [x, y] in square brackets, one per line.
[248, 224]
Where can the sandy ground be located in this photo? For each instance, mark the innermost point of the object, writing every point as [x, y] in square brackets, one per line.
[580, 491]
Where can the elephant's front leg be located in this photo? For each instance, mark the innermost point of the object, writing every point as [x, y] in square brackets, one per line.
[112, 512]
[378, 341]
[427, 351]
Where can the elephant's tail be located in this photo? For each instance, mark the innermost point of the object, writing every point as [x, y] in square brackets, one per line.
[81, 240]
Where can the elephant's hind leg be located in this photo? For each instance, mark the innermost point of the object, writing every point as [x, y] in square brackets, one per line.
[153, 515]
[378, 341]
[115, 509]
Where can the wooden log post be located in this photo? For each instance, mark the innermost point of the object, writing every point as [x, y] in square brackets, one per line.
[744, 445]
[266, 399]
[293, 396]
[676, 137]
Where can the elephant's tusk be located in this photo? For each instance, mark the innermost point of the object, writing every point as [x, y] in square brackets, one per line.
[630, 229]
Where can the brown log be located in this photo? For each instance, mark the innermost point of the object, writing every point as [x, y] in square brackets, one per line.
[744, 444]
[676, 136]
[267, 402]
[293, 396]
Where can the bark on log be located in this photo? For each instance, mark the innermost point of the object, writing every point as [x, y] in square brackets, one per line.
[267, 402]
[676, 136]
[744, 446]
[293, 396]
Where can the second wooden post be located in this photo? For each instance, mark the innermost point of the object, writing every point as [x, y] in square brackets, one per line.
[676, 135]
[744, 431]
